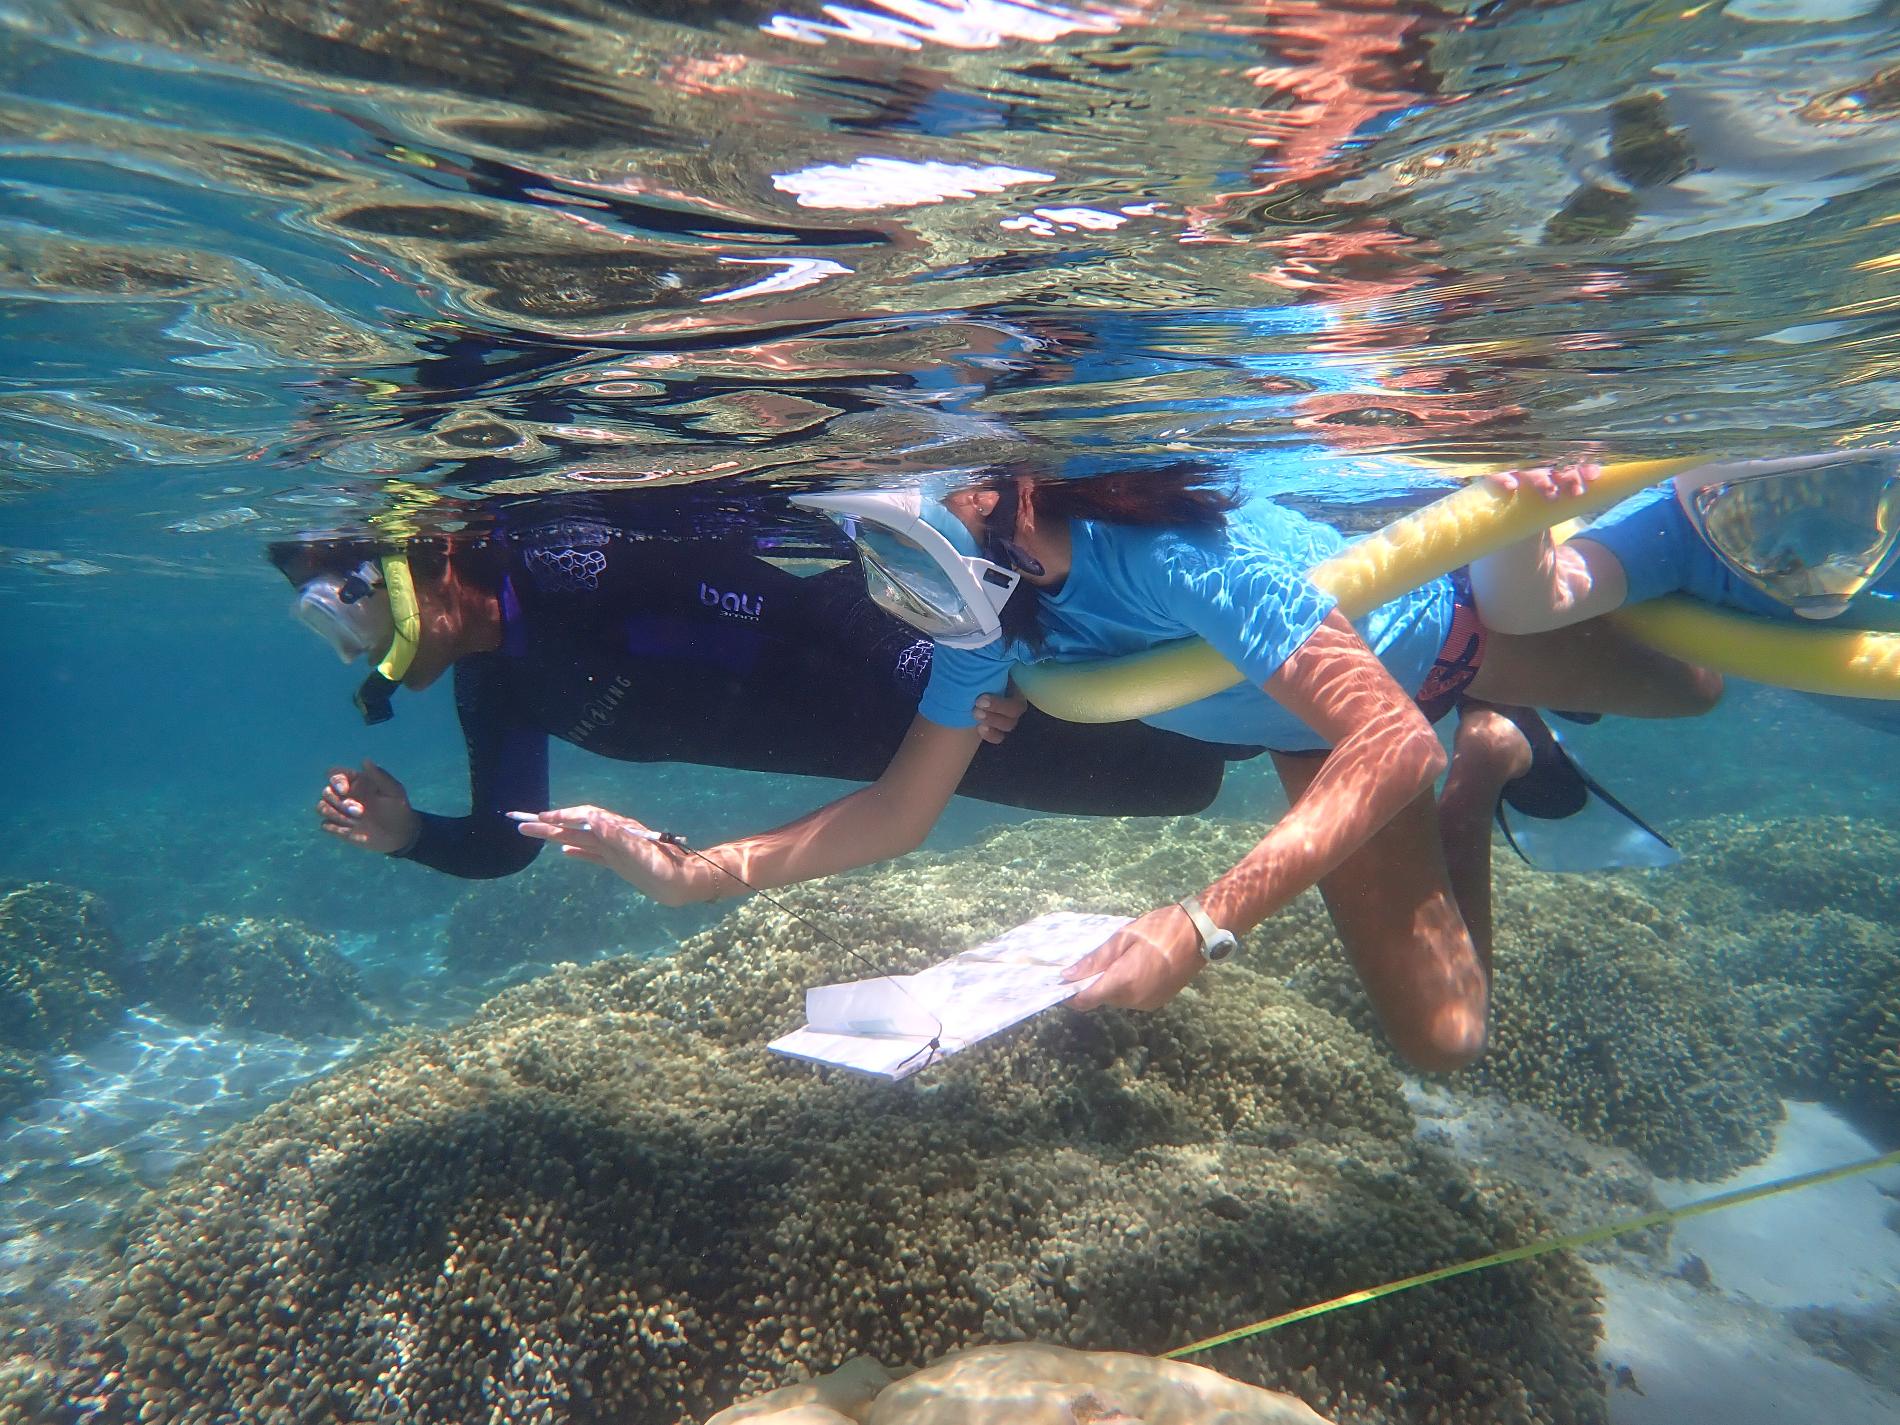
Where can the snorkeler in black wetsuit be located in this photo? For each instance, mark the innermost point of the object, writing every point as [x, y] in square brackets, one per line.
[695, 650]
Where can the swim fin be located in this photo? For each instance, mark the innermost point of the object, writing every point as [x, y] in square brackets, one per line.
[1557, 817]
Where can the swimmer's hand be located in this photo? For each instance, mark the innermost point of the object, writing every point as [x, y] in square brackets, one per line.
[998, 713]
[368, 808]
[631, 850]
[1551, 481]
[1143, 965]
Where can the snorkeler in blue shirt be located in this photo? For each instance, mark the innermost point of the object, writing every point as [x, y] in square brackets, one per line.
[1020, 565]
[1808, 537]
[1812, 537]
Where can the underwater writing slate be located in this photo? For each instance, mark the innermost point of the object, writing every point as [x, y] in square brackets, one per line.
[886, 1026]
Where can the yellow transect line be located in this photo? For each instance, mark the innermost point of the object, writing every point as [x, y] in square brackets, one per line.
[1543, 1247]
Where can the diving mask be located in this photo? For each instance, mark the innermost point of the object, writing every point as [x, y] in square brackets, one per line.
[1809, 531]
[921, 565]
[350, 612]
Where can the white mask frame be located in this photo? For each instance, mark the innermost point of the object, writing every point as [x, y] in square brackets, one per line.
[977, 588]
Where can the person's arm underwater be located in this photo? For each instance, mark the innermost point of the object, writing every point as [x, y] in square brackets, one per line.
[1537, 584]
[888, 818]
[507, 767]
[1384, 755]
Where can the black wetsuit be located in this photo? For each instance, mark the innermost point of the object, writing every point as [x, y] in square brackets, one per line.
[662, 650]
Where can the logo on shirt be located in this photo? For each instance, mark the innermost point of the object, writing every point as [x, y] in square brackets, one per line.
[598, 713]
[732, 605]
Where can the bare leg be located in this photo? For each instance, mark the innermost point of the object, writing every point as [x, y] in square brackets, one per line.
[1487, 752]
[1394, 908]
[1592, 667]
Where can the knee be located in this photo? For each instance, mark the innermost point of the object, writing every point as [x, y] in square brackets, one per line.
[1442, 1043]
[1698, 691]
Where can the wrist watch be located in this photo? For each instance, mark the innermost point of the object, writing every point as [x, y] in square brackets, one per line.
[1216, 944]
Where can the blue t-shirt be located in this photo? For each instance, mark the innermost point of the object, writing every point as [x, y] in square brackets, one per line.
[1243, 588]
[1661, 553]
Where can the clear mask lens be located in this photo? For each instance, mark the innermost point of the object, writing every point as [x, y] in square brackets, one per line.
[350, 612]
[905, 580]
[1810, 538]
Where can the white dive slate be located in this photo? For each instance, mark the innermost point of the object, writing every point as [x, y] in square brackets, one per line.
[885, 1026]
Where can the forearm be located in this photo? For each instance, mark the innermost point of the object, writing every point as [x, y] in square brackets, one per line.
[1367, 779]
[474, 847]
[888, 818]
[860, 829]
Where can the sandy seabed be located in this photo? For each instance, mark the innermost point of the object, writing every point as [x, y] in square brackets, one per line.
[1727, 1353]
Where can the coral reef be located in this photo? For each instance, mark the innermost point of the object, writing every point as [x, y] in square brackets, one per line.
[600, 1199]
[62, 970]
[1803, 975]
[1866, 1066]
[21, 1081]
[1802, 916]
[273, 975]
[552, 912]
[1794, 863]
[1027, 1385]
[283, 869]
[1599, 1019]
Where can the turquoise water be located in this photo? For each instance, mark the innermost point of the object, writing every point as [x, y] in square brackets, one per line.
[275, 271]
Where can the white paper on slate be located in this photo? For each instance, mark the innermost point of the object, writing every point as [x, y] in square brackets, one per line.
[884, 1026]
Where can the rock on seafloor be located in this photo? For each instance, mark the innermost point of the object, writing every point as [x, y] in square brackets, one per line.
[1024, 1384]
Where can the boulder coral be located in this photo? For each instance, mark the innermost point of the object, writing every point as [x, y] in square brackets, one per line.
[1024, 1384]
[1807, 864]
[62, 969]
[274, 975]
[554, 911]
[1866, 1067]
[600, 1200]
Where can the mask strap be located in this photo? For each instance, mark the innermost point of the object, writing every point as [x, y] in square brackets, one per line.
[1003, 517]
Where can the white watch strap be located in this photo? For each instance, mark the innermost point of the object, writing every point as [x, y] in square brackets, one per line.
[1216, 944]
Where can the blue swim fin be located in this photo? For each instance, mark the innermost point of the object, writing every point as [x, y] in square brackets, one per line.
[1557, 817]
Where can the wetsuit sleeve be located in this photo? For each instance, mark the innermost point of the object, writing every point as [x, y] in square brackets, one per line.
[1651, 538]
[958, 676]
[507, 771]
[1252, 602]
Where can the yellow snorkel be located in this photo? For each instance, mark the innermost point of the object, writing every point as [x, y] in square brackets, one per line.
[400, 585]
[372, 699]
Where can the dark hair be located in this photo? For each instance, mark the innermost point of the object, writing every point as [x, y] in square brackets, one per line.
[300, 560]
[1185, 495]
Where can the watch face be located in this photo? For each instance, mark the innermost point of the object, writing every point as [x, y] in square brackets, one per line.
[1221, 946]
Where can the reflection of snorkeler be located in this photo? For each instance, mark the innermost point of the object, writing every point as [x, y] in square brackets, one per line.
[1026, 568]
[665, 650]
